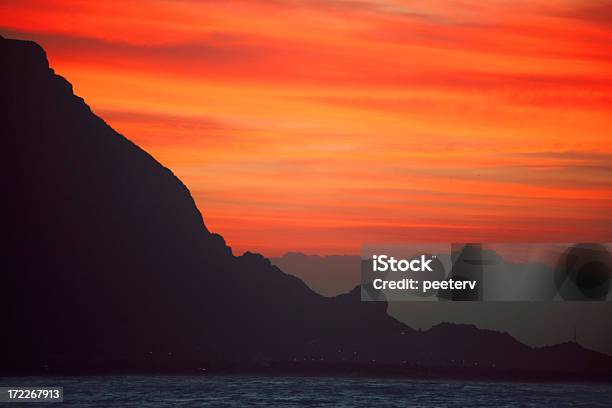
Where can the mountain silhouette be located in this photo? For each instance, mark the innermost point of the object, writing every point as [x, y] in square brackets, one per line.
[108, 266]
[328, 275]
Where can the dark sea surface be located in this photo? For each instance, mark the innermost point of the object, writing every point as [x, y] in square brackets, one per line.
[240, 391]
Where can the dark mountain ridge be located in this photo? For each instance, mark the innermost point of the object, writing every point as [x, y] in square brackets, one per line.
[109, 266]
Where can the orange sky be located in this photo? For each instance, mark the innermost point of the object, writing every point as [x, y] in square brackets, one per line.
[316, 125]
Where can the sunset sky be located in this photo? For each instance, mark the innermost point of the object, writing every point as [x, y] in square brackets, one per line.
[320, 125]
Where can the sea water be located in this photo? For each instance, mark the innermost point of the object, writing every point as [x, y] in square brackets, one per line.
[240, 391]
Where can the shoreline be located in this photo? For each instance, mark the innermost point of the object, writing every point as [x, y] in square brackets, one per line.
[278, 370]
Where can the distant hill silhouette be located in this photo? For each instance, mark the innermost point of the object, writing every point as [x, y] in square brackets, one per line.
[328, 275]
[108, 266]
